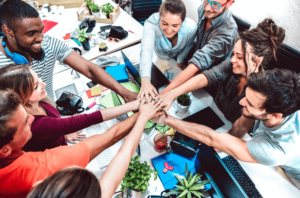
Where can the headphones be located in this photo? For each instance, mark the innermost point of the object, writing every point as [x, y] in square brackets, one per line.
[17, 58]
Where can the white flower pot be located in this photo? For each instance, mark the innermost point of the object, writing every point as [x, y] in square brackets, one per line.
[96, 14]
[180, 108]
[136, 194]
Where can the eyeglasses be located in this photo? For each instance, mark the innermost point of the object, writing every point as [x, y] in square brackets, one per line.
[110, 39]
[215, 5]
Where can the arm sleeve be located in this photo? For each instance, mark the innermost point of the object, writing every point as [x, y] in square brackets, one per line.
[218, 74]
[266, 152]
[64, 156]
[220, 44]
[60, 50]
[47, 127]
[189, 45]
[148, 40]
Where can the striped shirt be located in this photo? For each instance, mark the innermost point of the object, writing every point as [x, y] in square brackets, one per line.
[54, 50]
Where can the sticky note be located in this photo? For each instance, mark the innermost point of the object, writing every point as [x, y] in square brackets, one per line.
[164, 67]
[96, 91]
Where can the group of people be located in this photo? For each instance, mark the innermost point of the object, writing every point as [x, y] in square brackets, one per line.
[35, 160]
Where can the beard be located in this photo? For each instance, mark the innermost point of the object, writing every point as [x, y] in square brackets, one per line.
[262, 117]
[35, 55]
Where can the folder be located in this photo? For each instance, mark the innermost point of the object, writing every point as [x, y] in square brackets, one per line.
[118, 72]
[48, 25]
[178, 162]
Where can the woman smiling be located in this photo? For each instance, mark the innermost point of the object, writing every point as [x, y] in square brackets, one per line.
[170, 34]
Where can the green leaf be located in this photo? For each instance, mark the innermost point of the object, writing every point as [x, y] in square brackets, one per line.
[190, 177]
[192, 181]
[183, 193]
[179, 180]
[155, 177]
[186, 184]
[143, 191]
[156, 173]
[199, 185]
[186, 171]
[123, 188]
[189, 195]
[144, 187]
[198, 194]
[180, 187]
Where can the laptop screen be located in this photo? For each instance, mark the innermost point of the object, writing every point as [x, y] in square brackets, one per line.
[132, 70]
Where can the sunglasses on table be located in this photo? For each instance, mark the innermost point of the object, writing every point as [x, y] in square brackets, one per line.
[116, 40]
[215, 5]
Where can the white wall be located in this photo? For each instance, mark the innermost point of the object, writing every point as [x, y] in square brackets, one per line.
[286, 13]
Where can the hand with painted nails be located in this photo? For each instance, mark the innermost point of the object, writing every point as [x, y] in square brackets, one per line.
[147, 91]
[167, 100]
[149, 109]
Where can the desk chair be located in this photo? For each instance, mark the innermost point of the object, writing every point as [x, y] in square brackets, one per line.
[242, 25]
[141, 10]
[287, 58]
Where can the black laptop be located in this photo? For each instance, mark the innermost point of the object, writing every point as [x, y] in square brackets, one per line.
[158, 79]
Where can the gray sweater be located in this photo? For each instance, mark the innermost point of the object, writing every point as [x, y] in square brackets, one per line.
[153, 38]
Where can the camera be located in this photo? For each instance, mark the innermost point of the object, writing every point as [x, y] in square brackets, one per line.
[69, 104]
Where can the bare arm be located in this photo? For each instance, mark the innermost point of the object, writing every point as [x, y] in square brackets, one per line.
[99, 143]
[98, 75]
[182, 77]
[114, 112]
[116, 170]
[222, 141]
[196, 82]
[241, 126]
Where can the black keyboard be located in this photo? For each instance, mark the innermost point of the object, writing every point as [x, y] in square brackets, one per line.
[241, 176]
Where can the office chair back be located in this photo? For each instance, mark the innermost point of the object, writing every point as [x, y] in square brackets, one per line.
[287, 58]
[242, 25]
[143, 9]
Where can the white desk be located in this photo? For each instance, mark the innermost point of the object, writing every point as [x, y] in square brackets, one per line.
[67, 22]
[270, 181]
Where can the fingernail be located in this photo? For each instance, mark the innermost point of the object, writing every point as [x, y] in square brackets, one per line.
[154, 99]
[146, 100]
[141, 99]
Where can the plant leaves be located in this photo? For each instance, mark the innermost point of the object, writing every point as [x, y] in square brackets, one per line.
[155, 177]
[186, 184]
[190, 177]
[198, 194]
[180, 187]
[192, 181]
[179, 180]
[123, 188]
[189, 195]
[186, 171]
[183, 193]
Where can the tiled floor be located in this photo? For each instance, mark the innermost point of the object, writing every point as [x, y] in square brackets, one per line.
[286, 13]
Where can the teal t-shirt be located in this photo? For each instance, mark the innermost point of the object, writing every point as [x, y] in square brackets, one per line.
[278, 146]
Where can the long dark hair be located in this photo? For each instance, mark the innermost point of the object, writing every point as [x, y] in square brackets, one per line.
[174, 7]
[19, 79]
[72, 182]
[265, 40]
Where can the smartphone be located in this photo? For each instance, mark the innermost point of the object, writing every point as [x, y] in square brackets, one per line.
[91, 84]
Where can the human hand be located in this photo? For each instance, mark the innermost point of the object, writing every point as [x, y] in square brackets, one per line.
[130, 96]
[77, 136]
[160, 118]
[147, 90]
[148, 109]
[167, 99]
[181, 66]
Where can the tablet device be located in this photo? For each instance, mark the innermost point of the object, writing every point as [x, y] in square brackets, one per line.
[69, 88]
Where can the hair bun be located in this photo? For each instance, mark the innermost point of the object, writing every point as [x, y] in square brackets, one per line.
[269, 27]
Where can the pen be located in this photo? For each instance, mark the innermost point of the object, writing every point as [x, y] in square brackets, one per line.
[90, 106]
[131, 31]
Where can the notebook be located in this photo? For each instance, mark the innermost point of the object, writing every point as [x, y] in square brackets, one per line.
[118, 72]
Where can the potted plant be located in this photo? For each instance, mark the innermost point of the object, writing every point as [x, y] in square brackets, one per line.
[183, 103]
[137, 176]
[83, 38]
[88, 3]
[95, 10]
[190, 186]
[107, 9]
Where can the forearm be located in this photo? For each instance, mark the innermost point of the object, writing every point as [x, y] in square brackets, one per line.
[114, 112]
[100, 76]
[241, 126]
[182, 77]
[99, 143]
[114, 170]
[193, 84]
[222, 141]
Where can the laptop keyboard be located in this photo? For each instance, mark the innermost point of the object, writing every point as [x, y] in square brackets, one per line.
[104, 158]
[241, 176]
